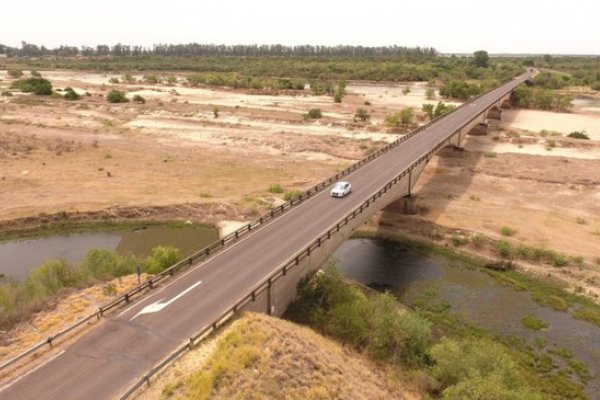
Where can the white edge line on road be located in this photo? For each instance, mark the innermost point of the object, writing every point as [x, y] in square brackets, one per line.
[31, 371]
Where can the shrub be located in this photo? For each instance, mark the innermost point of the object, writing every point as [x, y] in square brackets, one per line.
[151, 79]
[35, 73]
[15, 73]
[216, 112]
[6, 93]
[533, 323]
[162, 257]
[314, 113]
[430, 93]
[138, 99]
[578, 135]
[362, 114]
[507, 231]
[116, 96]
[276, 188]
[459, 90]
[292, 194]
[477, 369]
[71, 94]
[504, 248]
[39, 86]
[114, 80]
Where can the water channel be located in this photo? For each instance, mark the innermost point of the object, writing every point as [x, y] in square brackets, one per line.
[18, 257]
[472, 295]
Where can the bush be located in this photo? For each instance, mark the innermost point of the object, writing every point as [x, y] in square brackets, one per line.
[460, 90]
[139, 99]
[276, 188]
[162, 257]
[533, 323]
[430, 93]
[314, 113]
[292, 194]
[39, 86]
[116, 96]
[6, 93]
[71, 94]
[15, 73]
[401, 118]
[578, 135]
[507, 231]
[35, 73]
[362, 114]
[477, 369]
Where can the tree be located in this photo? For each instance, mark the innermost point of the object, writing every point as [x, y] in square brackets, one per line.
[116, 96]
[428, 109]
[481, 59]
[362, 114]
[162, 257]
[406, 116]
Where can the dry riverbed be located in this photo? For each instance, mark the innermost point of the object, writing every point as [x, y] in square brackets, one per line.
[210, 155]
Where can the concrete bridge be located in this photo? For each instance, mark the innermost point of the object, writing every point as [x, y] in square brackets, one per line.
[258, 270]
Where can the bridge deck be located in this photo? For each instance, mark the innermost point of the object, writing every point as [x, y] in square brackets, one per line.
[111, 356]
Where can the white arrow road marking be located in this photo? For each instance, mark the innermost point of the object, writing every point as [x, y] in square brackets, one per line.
[159, 305]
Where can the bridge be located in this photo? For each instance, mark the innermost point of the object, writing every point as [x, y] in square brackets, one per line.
[258, 269]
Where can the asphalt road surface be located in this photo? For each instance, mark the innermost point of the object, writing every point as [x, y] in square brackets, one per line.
[106, 361]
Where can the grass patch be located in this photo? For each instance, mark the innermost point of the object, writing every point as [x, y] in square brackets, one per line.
[490, 154]
[276, 188]
[292, 194]
[533, 323]
[507, 231]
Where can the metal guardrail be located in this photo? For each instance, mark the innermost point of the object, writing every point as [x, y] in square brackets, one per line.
[216, 246]
[295, 260]
[279, 273]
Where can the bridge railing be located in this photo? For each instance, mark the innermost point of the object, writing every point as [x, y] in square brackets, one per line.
[279, 273]
[216, 246]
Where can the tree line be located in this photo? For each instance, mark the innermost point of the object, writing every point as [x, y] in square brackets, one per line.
[197, 49]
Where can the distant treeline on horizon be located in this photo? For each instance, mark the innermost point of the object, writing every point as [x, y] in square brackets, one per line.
[196, 49]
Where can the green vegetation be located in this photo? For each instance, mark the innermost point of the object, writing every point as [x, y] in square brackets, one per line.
[481, 59]
[216, 112]
[362, 114]
[39, 86]
[18, 300]
[542, 99]
[116, 96]
[466, 362]
[6, 93]
[460, 90]
[546, 293]
[578, 135]
[478, 369]
[71, 94]
[292, 194]
[370, 323]
[314, 113]
[429, 93]
[15, 73]
[276, 188]
[340, 91]
[138, 99]
[507, 231]
[438, 110]
[533, 323]
[400, 119]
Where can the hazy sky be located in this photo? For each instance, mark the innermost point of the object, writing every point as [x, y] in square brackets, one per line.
[502, 26]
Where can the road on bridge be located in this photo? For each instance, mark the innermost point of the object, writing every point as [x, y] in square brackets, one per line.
[109, 358]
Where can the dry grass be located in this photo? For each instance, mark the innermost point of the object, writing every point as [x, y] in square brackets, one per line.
[259, 357]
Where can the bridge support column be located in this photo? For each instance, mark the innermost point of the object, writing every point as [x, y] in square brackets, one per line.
[495, 113]
[479, 129]
[406, 205]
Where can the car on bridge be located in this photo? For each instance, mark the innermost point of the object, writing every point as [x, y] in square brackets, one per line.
[341, 189]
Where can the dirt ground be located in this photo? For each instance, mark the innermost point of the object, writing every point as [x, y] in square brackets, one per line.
[171, 155]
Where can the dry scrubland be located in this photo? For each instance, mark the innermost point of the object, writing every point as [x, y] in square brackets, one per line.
[174, 158]
[259, 357]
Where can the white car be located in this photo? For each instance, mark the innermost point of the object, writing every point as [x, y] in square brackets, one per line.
[340, 189]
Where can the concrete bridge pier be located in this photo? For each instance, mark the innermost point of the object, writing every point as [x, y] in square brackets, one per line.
[494, 113]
